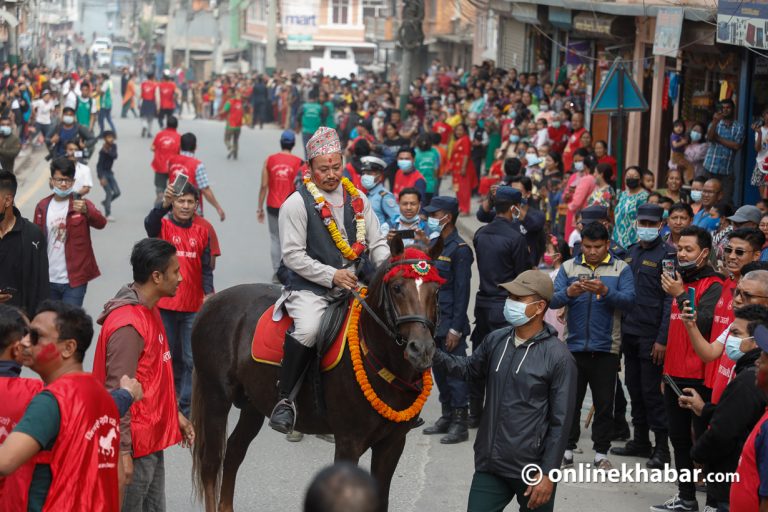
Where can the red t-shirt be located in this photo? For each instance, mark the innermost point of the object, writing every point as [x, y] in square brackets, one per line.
[148, 89]
[444, 130]
[167, 144]
[167, 92]
[282, 169]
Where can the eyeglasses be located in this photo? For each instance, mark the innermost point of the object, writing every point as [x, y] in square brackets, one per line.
[739, 251]
[62, 181]
[746, 295]
[35, 337]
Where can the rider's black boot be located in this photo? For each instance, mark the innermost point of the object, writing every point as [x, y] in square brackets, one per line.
[296, 357]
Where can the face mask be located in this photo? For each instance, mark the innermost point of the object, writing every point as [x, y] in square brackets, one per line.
[688, 266]
[68, 119]
[549, 260]
[555, 124]
[633, 182]
[514, 139]
[732, 344]
[5, 131]
[695, 196]
[514, 313]
[543, 108]
[513, 114]
[405, 165]
[63, 193]
[532, 159]
[695, 136]
[647, 234]
[368, 181]
[665, 215]
[579, 166]
[408, 220]
[434, 224]
[451, 111]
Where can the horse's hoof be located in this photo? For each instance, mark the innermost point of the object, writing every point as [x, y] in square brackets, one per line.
[327, 438]
[294, 437]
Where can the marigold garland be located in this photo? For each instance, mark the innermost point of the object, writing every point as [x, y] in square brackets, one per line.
[362, 378]
[349, 252]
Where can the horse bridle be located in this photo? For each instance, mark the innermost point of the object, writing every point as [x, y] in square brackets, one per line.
[392, 321]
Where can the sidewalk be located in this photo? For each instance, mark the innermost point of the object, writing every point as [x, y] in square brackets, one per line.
[31, 171]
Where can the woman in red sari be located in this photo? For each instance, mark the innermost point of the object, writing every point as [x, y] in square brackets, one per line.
[462, 168]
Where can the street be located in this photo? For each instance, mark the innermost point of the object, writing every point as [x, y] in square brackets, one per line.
[430, 476]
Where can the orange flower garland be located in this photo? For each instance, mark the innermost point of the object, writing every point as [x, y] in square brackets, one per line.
[379, 406]
[356, 249]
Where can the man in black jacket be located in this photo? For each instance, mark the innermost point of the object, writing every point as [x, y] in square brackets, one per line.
[530, 394]
[23, 253]
[740, 407]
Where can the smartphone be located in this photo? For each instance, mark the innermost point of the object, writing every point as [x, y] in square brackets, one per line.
[668, 266]
[584, 277]
[671, 383]
[179, 183]
[76, 196]
[406, 233]
[8, 290]
[692, 297]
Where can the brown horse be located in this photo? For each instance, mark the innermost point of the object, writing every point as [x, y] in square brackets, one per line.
[226, 374]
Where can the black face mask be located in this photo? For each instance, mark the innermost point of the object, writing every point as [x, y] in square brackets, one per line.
[633, 182]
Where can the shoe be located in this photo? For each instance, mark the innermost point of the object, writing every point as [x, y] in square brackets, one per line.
[296, 358]
[475, 412]
[110, 218]
[567, 463]
[660, 457]
[707, 508]
[458, 431]
[620, 430]
[294, 437]
[675, 504]
[633, 449]
[604, 464]
[418, 422]
[442, 423]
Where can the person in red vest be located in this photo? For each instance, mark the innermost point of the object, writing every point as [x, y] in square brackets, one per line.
[278, 181]
[168, 93]
[194, 252]
[148, 109]
[167, 143]
[233, 109]
[749, 493]
[574, 140]
[133, 342]
[186, 163]
[407, 176]
[72, 425]
[681, 362]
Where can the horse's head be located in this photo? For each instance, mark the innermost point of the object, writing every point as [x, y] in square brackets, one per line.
[408, 295]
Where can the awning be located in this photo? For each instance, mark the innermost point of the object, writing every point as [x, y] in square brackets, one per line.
[253, 39]
[560, 18]
[454, 38]
[601, 25]
[620, 9]
[526, 13]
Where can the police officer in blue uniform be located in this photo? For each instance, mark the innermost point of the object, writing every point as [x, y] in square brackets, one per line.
[382, 200]
[455, 265]
[502, 254]
[599, 214]
[644, 339]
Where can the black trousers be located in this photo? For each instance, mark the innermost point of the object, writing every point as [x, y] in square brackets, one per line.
[598, 370]
[680, 423]
[487, 320]
[643, 379]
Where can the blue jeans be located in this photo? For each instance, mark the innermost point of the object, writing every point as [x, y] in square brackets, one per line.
[147, 488]
[178, 328]
[453, 392]
[111, 189]
[105, 114]
[66, 293]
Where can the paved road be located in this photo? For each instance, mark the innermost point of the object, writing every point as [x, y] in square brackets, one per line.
[430, 476]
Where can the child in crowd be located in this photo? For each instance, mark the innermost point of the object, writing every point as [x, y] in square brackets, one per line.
[557, 251]
[575, 236]
[678, 141]
[107, 157]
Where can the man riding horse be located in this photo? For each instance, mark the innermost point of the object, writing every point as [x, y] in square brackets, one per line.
[326, 226]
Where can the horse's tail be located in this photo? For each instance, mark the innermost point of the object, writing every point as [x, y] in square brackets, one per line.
[210, 443]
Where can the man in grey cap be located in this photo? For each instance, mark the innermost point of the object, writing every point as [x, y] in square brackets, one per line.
[747, 216]
[530, 394]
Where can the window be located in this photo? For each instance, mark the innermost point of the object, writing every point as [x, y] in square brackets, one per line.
[375, 9]
[340, 12]
[257, 10]
[339, 54]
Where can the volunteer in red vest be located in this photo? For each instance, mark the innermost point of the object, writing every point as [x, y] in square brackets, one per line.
[67, 224]
[194, 253]
[167, 143]
[278, 181]
[168, 92]
[749, 493]
[407, 176]
[574, 140]
[743, 247]
[186, 163]
[233, 110]
[73, 418]
[133, 342]
[681, 361]
[148, 109]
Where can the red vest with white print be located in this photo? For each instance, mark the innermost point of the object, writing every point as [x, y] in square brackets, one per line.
[148, 89]
[744, 496]
[183, 164]
[190, 242]
[721, 321]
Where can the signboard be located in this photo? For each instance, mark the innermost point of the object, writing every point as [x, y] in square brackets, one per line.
[619, 92]
[299, 42]
[299, 16]
[669, 26]
[742, 23]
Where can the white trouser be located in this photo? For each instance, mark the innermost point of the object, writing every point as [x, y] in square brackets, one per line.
[306, 309]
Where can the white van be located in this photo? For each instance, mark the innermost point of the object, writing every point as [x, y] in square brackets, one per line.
[338, 62]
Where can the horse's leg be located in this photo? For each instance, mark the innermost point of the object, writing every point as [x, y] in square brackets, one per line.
[247, 427]
[384, 458]
[347, 450]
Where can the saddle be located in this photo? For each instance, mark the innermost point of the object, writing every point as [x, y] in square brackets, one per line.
[269, 336]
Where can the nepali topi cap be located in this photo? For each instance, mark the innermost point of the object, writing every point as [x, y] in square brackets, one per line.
[325, 141]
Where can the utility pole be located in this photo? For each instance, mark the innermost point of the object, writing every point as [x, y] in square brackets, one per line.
[411, 37]
[271, 53]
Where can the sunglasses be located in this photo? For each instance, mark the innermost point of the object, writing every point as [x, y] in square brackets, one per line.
[35, 337]
[746, 295]
[739, 252]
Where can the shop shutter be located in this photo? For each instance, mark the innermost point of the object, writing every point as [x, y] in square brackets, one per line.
[512, 51]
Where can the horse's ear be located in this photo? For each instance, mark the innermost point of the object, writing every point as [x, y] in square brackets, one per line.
[396, 247]
[436, 250]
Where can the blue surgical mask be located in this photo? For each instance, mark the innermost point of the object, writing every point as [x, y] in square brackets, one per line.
[514, 139]
[732, 344]
[434, 224]
[5, 131]
[695, 136]
[555, 124]
[647, 234]
[409, 220]
[63, 193]
[368, 181]
[405, 165]
[578, 166]
[532, 159]
[513, 114]
[514, 313]
[695, 196]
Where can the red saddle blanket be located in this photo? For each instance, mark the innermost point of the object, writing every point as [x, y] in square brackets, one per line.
[267, 345]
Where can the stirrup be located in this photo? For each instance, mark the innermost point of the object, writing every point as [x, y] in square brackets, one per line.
[287, 403]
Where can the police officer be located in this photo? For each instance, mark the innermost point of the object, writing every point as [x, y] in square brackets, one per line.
[599, 214]
[644, 339]
[454, 265]
[502, 254]
[382, 201]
